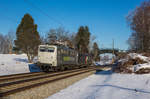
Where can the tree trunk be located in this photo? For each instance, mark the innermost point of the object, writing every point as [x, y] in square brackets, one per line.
[29, 58]
[32, 57]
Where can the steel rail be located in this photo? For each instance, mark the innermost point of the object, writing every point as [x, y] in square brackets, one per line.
[37, 78]
[23, 75]
[8, 77]
[2, 94]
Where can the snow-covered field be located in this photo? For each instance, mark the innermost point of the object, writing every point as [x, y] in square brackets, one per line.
[14, 64]
[108, 85]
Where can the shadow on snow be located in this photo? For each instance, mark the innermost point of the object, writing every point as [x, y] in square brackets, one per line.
[21, 60]
[34, 68]
[123, 88]
[109, 72]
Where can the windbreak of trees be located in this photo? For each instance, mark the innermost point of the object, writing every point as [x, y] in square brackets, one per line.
[139, 22]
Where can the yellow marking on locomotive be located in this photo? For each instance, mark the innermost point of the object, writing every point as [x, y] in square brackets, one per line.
[66, 58]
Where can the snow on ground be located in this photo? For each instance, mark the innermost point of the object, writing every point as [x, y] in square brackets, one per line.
[140, 66]
[135, 55]
[137, 67]
[108, 85]
[14, 64]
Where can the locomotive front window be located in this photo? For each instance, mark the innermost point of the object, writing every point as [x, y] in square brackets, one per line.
[50, 49]
[47, 49]
[42, 50]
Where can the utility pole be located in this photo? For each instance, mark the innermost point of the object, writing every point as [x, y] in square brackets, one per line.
[113, 52]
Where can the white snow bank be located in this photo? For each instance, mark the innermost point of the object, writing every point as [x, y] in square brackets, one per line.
[14, 64]
[141, 66]
[135, 55]
[137, 67]
[108, 85]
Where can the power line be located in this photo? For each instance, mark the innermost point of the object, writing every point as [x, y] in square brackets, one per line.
[12, 20]
[44, 13]
[7, 17]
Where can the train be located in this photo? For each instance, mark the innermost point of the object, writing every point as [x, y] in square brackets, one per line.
[60, 57]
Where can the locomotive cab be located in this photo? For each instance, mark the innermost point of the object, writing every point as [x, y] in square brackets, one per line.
[47, 55]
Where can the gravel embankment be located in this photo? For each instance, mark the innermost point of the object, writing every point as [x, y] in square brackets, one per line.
[46, 90]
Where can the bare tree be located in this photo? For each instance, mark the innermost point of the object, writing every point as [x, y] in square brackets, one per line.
[1, 43]
[58, 34]
[10, 37]
[61, 35]
[43, 38]
[139, 21]
[52, 36]
[4, 44]
[92, 40]
[95, 52]
[72, 39]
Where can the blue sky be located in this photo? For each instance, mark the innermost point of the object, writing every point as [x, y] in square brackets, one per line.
[106, 18]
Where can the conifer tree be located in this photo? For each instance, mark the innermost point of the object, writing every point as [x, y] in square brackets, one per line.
[83, 39]
[27, 37]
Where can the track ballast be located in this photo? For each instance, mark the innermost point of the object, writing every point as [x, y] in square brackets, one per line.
[21, 82]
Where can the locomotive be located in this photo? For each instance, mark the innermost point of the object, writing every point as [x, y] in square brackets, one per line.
[60, 57]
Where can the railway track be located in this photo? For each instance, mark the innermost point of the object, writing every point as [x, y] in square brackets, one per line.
[17, 83]
[17, 76]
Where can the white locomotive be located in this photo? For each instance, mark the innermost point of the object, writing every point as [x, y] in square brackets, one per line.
[60, 57]
[56, 57]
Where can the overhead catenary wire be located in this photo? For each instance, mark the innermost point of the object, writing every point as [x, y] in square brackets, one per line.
[10, 19]
[44, 13]
[6, 17]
